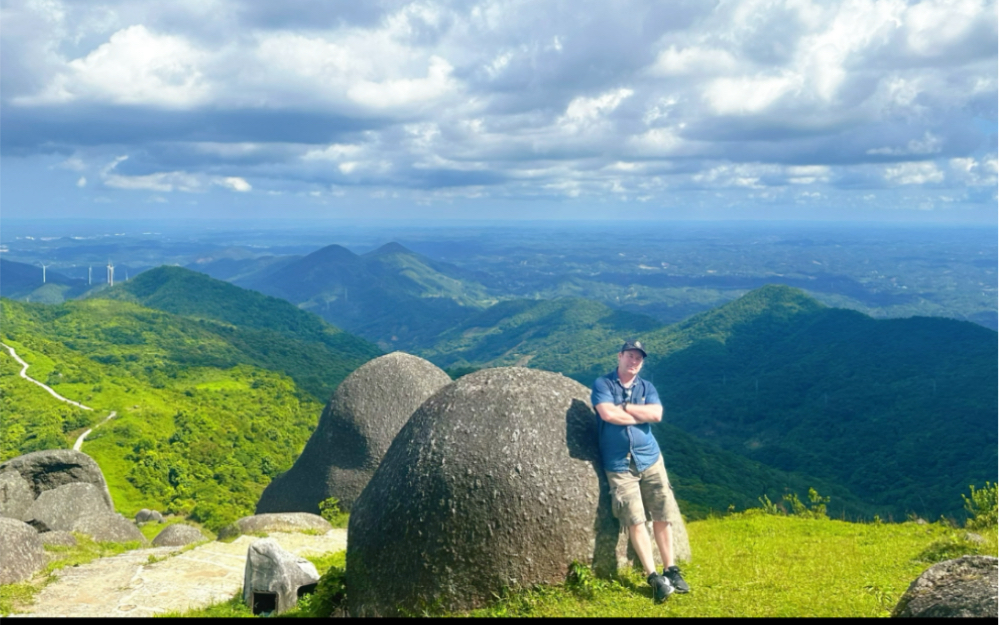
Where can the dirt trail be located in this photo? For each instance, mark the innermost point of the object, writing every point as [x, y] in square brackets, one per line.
[128, 585]
[24, 374]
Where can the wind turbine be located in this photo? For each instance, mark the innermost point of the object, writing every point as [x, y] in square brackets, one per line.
[44, 267]
[110, 273]
[90, 275]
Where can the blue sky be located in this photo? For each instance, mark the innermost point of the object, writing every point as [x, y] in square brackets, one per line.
[882, 110]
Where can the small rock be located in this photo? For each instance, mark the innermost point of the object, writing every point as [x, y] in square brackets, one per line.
[178, 535]
[22, 551]
[964, 587]
[276, 522]
[147, 516]
[60, 508]
[108, 527]
[59, 538]
[272, 577]
[16, 495]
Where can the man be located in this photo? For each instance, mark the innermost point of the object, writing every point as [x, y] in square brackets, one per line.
[626, 405]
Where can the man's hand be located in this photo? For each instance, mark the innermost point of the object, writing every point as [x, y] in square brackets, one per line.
[629, 414]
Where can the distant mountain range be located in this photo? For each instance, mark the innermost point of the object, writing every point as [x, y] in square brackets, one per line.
[390, 296]
[23, 281]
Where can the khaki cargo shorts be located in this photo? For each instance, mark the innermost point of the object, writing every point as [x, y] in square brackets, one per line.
[637, 497]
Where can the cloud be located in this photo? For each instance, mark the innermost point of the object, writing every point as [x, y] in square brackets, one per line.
[437, 100]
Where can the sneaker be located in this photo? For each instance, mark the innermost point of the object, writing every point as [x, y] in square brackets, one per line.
[676, 580]
[661, 588]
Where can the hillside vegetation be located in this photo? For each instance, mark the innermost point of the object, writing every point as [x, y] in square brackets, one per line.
[391, 295]
[201, 428]
[270, 332]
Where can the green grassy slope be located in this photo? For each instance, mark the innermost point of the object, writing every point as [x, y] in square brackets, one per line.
[271, 332]
[200, 429]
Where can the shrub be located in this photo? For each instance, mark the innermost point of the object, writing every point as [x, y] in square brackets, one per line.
[331, 510]
[982, 506]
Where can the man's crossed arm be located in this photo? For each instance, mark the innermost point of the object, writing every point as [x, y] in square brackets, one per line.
[629, 414]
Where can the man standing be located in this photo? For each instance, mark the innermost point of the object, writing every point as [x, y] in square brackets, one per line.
[626, 405]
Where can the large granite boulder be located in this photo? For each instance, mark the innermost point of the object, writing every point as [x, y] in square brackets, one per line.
[21, 551]
[965, 587]
[52, 468]
[366, 412]
[61, 507]
[494, 482]
[274, 579]
[16, 495]
[276, 522]
[178, 535]
[108, 527]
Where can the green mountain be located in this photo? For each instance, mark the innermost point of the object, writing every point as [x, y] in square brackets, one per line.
[270, 332]
[556, 335]
[900, 411]
[391, 295]
[24, 282]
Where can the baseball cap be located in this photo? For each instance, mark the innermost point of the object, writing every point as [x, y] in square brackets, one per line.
[636, 345]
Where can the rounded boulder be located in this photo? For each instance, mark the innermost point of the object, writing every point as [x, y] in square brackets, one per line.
[178, 535]
[963, 587]
[108, 527]
[22, 551]
[276, 522]
[16, 496]
[60, 508]
[51, 468]
[356, 428]
[495, 482]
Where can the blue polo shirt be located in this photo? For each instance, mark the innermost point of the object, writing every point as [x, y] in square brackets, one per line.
[618, 441]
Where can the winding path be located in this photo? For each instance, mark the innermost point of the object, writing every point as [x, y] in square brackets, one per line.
[24, 368]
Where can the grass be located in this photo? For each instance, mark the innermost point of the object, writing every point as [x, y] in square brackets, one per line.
[748, 564]
[757, 565]
[14, 597]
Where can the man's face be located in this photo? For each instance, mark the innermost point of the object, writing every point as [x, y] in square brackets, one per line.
[630, 361]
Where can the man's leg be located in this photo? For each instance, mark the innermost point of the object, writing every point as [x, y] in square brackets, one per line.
[664, 540]
[639, 537]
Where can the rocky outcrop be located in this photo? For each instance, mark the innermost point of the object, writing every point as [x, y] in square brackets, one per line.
[178, 535]
[108, 527]
[965, 587]
[356, 428]
[21, 552]
[16, 495]
[148, 516]
[52, 468]
[276, 522]
[59, 539]
[273, 577]
[494, 482]
[61, 507]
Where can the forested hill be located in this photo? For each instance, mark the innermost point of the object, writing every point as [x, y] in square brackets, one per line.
[391, 296]
[200, 428]
[23, 281]
[270, 332]
[900, 411]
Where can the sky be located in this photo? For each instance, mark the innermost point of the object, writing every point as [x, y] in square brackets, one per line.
[744, 109]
